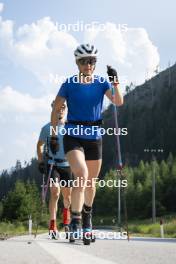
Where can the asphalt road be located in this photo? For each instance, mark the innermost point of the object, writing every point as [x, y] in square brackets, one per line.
[17, 250]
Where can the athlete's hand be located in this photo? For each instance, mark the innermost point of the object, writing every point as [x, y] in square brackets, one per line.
[54, 146]
[112, 73]
[41, 167]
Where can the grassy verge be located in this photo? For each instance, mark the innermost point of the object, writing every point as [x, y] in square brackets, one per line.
[153, 230]
[136, 227]
[18, 228]
[143, 227]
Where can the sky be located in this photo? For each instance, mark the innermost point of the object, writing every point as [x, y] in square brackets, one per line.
[37, 40]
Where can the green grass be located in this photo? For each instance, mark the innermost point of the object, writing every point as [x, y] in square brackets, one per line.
[143, 227]
[18, 228]
[136, 227]
[12, 228]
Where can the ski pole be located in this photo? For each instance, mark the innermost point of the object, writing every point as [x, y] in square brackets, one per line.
[44, 193]
[43, 188]
[119, 156]
[47, 184]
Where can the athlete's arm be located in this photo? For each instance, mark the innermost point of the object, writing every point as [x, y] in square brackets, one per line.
[39, 150]
[41, 165]
[113, 78]
[56, 108]
[118, 95]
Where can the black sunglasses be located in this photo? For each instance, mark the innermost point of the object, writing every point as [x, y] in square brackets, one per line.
[85, 61]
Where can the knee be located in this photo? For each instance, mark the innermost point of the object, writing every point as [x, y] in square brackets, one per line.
[54, 193]
[80, 177]
[81, 174]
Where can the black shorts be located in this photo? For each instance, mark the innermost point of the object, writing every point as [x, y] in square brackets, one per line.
[63, 174]
[92, 149]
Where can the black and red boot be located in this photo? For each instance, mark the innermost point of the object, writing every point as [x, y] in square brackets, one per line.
[53, 232]
[66, 220]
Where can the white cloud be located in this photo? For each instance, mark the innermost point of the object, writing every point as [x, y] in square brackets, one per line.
[16, 102]
[40, 48]
[44, 50]
[22, 117]
[1, 7]
[131, 51]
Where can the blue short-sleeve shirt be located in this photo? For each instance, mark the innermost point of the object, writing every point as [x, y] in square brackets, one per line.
[84, 103]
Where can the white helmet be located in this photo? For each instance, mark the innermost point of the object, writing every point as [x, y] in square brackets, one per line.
[85, 50]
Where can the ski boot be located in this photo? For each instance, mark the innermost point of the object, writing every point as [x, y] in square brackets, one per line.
[53, 232]
[88, 235]
[66, 221]
[75, 227]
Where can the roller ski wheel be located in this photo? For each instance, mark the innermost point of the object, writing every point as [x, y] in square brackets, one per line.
[87, 234]
[71, 238]
[93, 238]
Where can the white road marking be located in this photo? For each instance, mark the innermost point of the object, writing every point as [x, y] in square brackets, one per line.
[66, 254]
